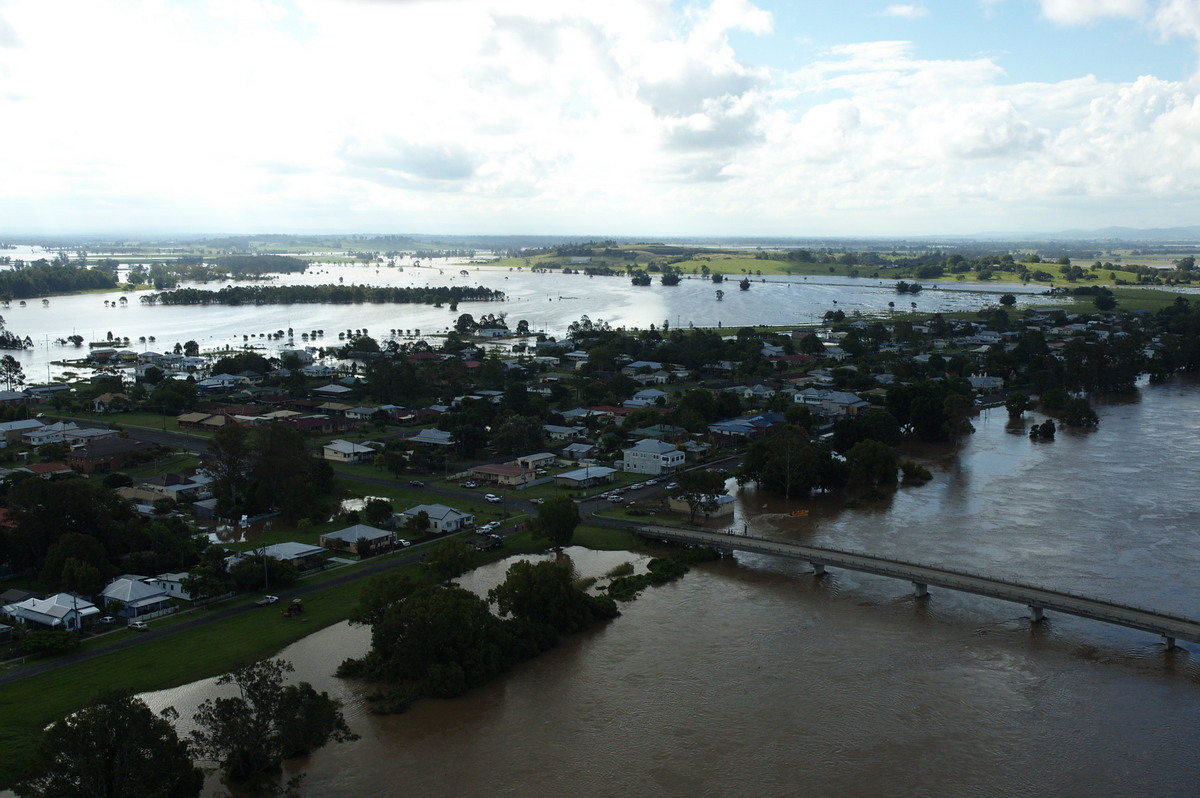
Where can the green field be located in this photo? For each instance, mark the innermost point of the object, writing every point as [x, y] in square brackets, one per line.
[210, 650]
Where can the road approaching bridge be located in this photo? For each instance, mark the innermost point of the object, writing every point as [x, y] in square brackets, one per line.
[1038, 599]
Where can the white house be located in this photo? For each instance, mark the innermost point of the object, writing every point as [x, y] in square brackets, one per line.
[340, 451]
[139, 597]
[652, 456]
[60, 611]
[647, 397]
[373, 539]
[441, 517]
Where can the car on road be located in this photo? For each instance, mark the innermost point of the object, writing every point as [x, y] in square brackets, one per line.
[616, 498]
[488, 527]
[672, 485]
[469, 484]
[538, 500]
[416, 483]
[493, 498]
[652, 482]
[265, 600]
[138, 626]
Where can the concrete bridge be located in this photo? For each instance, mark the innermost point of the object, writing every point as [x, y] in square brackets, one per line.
[1037, 599]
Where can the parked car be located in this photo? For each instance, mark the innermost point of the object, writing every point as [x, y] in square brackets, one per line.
[489, 526]
[616, 498]
[416, 483]
[538, 500]
[107, 619]
[138, 626]
[672, 485]
[265, 600]
[493, 498]
[469, 484]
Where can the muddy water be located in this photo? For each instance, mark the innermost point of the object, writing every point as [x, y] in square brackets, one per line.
[748, 677]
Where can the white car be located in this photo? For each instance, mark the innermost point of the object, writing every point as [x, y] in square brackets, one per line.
[616, 499]
[138, 626]
[489, 526]
[493, 498]
[538, 500]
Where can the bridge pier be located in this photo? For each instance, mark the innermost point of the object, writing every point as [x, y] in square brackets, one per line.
[1169, 641]
[1036, 614]
[818, 569]
[920, 590]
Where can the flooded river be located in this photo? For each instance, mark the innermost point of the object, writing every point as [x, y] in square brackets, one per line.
[749, 677]
[549, 302]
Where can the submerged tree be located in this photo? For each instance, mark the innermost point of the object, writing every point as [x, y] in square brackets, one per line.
[250, 734]
[113, 748]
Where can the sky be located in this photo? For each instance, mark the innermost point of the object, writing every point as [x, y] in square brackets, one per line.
[623, 118]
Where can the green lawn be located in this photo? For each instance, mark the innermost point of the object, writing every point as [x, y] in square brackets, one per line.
[216, 648]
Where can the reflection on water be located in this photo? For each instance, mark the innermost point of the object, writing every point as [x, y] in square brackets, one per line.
[749, 677]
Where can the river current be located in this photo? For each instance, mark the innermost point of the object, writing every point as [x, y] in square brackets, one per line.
[749, 677]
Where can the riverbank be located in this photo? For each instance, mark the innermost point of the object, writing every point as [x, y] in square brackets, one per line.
[209, 649]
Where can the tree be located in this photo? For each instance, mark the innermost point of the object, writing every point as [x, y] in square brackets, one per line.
[441, 640]
[788, 463]
[115, 747]
[1105, 302]
[228, 460]
[1008, 300]
[448, 558]
[556, 521]
[11, 372]
[1017, 403]
[378, 512]
[700, 488]
[545, 594]
[873, 463]
[250, 734]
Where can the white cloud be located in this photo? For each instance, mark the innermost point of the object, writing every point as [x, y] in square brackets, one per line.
[1080, 12]
[906, 11]
[627, 116]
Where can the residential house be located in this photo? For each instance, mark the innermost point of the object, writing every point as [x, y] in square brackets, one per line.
[651, 456]
[135, 597]
[557, 433]
[433, 437]
[46, 470]
[102, 456]
[110, 403]
[442, 519]
[360, 539]
[503, 474]
[648, 397]
[60, 611]
[585, 477]
[11, 431]
[302, 556]
[536, 461]
[48, 433]
[340, 451]
[577, 451]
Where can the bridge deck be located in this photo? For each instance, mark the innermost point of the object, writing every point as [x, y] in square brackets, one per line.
[1169, 626]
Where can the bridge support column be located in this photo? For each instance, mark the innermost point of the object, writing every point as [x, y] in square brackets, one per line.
[1036, 614]
[1169, 642]
[920, 590]
[818, 569]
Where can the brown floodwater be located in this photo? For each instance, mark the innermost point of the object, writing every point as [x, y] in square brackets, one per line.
[749, 677]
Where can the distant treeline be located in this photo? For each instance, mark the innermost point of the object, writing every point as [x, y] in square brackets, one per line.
[241, 265]
[323, 294]
[42, 277]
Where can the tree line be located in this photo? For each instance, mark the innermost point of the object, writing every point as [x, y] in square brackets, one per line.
[324, 294]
